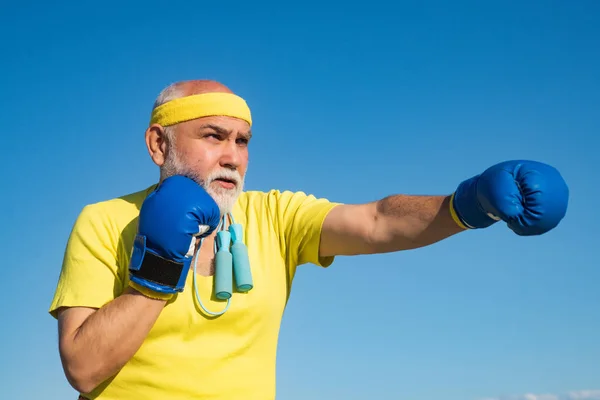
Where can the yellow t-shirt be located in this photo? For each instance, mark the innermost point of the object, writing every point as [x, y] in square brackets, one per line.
[187, 355]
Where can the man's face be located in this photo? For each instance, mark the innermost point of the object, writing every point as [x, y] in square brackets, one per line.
[214, 152]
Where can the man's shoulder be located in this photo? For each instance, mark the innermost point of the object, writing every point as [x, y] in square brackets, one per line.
[260, 201]
[127, 203]
[273, 195]
[117, 212]
[276, 202]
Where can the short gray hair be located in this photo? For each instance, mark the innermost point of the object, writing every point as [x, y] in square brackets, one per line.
[171, 92]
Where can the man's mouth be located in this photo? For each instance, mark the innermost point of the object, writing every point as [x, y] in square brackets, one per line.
[226, 183]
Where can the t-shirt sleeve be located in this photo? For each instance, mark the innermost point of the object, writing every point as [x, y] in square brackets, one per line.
[301, 218]
[89, 275]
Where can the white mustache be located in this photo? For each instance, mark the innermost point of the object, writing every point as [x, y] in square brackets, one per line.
[225, 174]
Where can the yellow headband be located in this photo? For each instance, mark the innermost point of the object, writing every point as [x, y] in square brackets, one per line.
[201, 105]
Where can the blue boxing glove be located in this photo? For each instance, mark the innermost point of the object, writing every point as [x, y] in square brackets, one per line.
[171, 218]
[531, 197]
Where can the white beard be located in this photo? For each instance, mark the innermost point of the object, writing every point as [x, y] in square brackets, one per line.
[225, 198]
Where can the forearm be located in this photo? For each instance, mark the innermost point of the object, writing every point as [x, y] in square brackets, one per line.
[107, 339]
[405, 222]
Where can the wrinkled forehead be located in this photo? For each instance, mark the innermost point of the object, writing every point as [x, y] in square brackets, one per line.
[222, 125]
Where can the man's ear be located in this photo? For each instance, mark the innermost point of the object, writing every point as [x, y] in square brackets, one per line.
[157, 143]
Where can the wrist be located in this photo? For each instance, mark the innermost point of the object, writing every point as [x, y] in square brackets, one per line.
[145, 291]
[454, 214]
[150, 269]
[465, 207]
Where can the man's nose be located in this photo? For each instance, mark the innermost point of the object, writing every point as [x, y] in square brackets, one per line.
[230, 157]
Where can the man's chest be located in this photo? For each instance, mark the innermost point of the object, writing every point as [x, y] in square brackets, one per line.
[258, 310]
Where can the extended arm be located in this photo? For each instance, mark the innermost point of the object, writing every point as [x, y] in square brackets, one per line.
[95, 344]
[399, 222]
[531, 197]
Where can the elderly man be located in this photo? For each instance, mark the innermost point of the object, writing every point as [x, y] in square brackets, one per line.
[134, 324]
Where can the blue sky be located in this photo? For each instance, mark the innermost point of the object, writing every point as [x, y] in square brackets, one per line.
[367, 99]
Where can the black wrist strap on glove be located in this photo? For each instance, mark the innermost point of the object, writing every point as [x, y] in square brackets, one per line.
[158, 269]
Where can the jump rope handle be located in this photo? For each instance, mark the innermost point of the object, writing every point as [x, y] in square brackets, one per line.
[231, 260]
[223, 266]
[241, 261]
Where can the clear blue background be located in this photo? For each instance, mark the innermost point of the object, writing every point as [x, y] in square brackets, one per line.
[351, 102]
